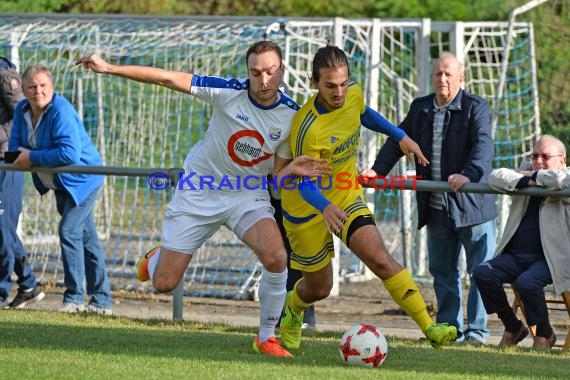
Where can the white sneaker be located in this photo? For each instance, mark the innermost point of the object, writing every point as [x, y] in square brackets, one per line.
[70, 307]
[98, 310]
[308, 327]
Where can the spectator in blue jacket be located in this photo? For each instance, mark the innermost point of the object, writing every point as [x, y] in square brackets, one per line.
[13, 256]
[453, 129]
[48, 132]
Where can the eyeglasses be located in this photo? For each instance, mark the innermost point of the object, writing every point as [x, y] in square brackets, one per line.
[545, 157]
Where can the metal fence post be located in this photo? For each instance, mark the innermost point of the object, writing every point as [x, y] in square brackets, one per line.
[178, 293]
[178, 301]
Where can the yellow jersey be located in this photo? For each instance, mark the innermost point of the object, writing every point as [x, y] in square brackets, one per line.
[335, 136]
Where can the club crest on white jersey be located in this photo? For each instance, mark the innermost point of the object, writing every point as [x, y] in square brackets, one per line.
[274, 133]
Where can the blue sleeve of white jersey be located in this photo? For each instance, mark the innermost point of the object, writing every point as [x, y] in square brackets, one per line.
[217, 82]
[378, 123]
[312, 195]
[216, 90]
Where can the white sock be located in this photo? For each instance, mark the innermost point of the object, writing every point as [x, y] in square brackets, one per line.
[271, 299]
[152, 263]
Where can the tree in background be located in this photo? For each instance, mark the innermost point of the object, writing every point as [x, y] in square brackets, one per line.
[552, 39]
[32, 6]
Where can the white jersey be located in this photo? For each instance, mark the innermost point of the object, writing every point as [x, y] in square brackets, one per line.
[242, 138]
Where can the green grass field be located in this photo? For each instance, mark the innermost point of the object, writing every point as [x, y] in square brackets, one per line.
[50, 345]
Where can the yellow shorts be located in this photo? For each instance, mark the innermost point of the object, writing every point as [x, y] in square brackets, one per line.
[311, 243]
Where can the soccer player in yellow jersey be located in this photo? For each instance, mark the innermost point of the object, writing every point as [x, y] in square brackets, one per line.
[328, 127]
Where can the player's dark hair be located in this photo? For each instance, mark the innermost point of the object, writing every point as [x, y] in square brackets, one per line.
[261, 47]
[328, 57]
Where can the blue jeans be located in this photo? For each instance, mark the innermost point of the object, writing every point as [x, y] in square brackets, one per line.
[83, 258]
[444, 246]
[13, 256]
[529, 272]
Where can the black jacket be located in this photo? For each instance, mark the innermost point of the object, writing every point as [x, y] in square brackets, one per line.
[467, 149]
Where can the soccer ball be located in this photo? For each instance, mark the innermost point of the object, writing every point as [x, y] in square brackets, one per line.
[363, 345]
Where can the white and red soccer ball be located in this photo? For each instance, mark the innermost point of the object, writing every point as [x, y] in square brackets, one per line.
[363, 345]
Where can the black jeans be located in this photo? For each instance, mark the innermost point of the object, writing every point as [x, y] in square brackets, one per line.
[530, 274]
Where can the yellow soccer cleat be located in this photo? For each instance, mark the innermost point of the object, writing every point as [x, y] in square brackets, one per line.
[142, 267]
[440, 334]
[291, 325]
[272, 347]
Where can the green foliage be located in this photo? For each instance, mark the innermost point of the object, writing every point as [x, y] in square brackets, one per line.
[149, 7]
[552, 41]
[31, 6]
[445, 10]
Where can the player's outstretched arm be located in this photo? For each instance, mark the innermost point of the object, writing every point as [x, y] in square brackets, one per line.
[374, 121]
[175, 80]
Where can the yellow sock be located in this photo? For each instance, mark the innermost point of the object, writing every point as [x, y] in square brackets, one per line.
[405, 292]
[296, 303]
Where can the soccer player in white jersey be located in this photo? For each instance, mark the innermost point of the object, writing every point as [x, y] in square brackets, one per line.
[247, 136]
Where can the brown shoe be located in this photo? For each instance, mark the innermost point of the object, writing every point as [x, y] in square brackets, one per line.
[544, 344]
[510, 339]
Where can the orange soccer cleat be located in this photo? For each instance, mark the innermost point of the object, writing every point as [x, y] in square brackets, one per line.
[272, 347]
[142, 267]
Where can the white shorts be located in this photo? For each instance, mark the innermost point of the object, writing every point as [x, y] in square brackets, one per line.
[193, 216]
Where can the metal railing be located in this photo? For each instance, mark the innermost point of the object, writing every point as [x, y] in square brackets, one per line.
[384, 183]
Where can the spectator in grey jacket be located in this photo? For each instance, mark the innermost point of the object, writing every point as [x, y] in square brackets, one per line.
[534, 250]
[13, 256]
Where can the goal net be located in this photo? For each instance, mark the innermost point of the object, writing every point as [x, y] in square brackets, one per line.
[142, 126]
